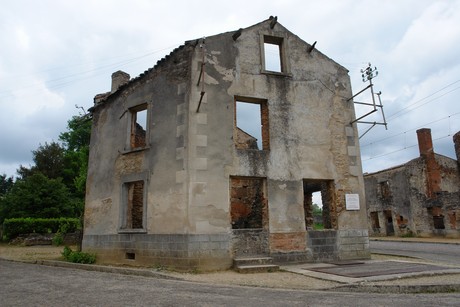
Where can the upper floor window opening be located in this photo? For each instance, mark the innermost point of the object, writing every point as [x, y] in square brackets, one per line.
[384, 189]
[251, 123]
[138, 127]
[273, 54]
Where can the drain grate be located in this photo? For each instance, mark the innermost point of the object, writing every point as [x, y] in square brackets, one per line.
[376, 269]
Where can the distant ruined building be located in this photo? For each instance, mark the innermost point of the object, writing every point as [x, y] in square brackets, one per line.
[420, 197]
[175, 179]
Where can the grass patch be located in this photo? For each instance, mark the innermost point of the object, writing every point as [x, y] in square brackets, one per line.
[318, 226]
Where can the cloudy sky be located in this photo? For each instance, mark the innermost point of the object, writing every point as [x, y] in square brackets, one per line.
[56, 55]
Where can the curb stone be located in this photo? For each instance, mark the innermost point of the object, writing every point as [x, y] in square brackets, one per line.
[108, 269]
[99, 268]
[398, 288]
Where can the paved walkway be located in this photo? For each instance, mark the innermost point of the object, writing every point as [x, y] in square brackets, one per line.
[384, 275]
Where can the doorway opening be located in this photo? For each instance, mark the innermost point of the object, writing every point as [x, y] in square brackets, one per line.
[319, 204]
[389, 222]
[248, 206]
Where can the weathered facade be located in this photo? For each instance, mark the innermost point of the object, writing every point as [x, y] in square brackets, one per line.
[421, 197]
[174, 178]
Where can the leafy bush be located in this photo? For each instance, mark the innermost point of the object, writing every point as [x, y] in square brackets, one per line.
[16, 226]
[408, 234]
[78, 257]
[58, 239]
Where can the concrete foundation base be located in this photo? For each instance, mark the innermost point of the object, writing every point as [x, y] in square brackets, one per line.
[177, 251]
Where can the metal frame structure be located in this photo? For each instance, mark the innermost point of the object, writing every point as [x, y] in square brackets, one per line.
[368, 74]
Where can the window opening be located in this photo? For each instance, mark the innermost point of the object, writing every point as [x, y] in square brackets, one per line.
[250, 124]
[138, 127]
[273, 55]
[319, 204]
[402, 222]
[248, 206]
[251, 121]
[134, 205]
[438, 217]
[384, 190]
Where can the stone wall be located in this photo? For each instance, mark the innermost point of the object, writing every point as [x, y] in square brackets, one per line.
[323, 245]
[353, 244]
[419, 198]
[250, 242]
[177, 251]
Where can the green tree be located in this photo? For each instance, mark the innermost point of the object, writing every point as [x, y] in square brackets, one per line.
[78, 135]
[68, 161]
[55, 185]
[76, 143]
[6, 183]
[38, 196]
[317, 210]
[49, 160]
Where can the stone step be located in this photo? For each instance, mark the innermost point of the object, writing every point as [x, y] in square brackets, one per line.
[254, 260]
[254, 264]
[260, 268]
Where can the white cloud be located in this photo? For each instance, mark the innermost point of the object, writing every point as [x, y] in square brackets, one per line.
[56, 54]
[23, 39]
[431, 42]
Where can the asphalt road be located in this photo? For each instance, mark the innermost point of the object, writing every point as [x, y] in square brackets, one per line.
[35, 285]
[443, 253]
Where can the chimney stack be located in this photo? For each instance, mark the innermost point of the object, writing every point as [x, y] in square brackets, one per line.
[118, 79]
[433, 173]
[425, 143]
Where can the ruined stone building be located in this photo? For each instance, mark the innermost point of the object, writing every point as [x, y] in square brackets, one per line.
[176, 177]
[420, 197]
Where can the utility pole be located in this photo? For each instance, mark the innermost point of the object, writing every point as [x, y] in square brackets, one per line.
[368, 74]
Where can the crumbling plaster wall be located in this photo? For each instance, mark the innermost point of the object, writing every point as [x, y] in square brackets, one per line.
[191, 155]
[112, 162]
[408, 199]
[310, 97]
[398, 200]
[447, 199]
[450, 176]
[209, 142]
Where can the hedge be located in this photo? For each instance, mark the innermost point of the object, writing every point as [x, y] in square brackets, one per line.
[17, 226]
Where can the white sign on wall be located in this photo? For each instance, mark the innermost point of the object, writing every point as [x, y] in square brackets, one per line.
[352, 201]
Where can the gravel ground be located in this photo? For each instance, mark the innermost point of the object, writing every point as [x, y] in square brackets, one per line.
[285, 280]
[272, 280]
[447, 279]
[30, 253]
